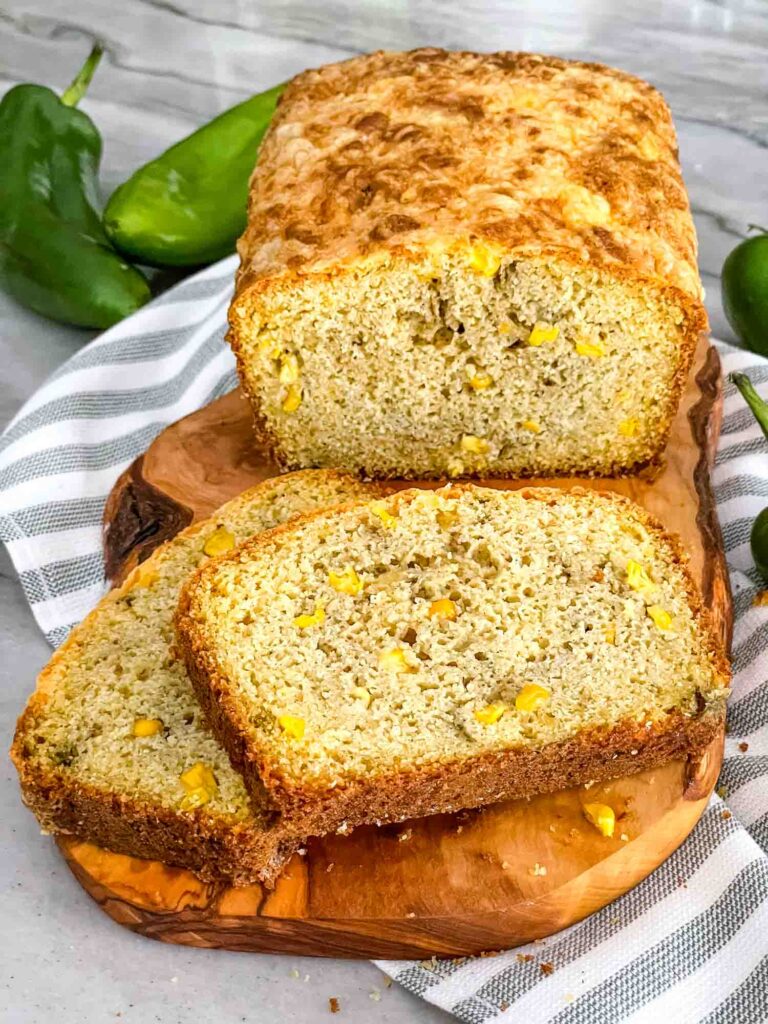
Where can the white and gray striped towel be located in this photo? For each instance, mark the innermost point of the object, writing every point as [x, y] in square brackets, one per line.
[690, 943]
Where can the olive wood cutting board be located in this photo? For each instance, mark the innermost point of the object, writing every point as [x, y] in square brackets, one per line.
[448, 884]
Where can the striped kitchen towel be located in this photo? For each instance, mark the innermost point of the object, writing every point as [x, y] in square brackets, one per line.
[690, 943]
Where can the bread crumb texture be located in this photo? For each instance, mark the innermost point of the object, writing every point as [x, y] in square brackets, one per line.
[450, 245]
[550, 632]
[114, 713]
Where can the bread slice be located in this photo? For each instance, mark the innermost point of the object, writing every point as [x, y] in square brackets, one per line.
[440, 650]
[84, 769]
[464, 264]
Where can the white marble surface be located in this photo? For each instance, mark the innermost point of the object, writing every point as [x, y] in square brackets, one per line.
[170, 65]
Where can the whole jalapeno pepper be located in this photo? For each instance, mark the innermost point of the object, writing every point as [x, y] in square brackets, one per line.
[55, 257]
[188, 206]
[758, 538]
[744, 286]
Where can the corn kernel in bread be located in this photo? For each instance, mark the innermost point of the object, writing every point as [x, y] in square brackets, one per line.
[444, 246]
[550, 669]
[112, 746]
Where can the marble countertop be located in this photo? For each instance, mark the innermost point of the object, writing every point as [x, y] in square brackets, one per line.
[172, 66]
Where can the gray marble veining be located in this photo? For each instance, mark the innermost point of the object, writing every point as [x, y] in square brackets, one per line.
[171, 65]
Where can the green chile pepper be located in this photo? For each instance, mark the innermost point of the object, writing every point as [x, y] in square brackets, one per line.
[758, 538]
[55, 257]
[189, 205]
[744, 288]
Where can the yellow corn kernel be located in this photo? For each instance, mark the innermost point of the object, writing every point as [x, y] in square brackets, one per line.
[602, 817]
[268, 346]
[381, 511]
[293, 398]
[447, 518]
[505, 328]
[220, 541]
[531, 425]
[347, 582]
[360, 693]
[306, 621]
[444, 608]
[628, 428]
[638, 578]
[592, 349]
[289, 368]
[542, 333]
[394, 660]
[147, 727]
[531, 696]
[660, 616]
[144, 576]
[484, 261]
[490, 714]
[609, 632]
[199, 784]
[293, 726]
[454, 466]
[474, 445]
[480, 381]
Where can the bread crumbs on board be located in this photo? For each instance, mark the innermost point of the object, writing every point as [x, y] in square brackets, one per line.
[334, 1005]
[546, 968]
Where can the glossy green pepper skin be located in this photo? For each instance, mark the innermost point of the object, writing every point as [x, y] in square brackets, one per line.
[758, 538]
[744, 287]
[188, 206]
[55, 257]
[758, 541]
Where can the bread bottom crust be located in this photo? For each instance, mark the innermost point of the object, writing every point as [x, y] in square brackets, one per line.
[235, 854]
[625, 749]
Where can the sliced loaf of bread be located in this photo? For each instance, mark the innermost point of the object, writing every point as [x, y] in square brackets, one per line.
[439, 650]
[112, 746]
[462, 264]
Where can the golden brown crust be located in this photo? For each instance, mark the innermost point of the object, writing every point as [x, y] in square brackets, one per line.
[598, 754]
[377, 155]
[488, 778]
[371, 161]
[215, 850]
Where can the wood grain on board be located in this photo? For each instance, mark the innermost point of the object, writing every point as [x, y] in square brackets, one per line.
[448, 884]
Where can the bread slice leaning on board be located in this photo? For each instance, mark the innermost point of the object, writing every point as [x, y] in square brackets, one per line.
[112, 746]
[467, 264]
[433, 651]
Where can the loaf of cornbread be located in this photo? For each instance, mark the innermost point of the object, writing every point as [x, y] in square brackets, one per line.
[112, 746]
[467, 264]
[439, 650]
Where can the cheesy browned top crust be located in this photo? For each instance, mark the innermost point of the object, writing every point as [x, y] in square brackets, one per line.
[399, 152]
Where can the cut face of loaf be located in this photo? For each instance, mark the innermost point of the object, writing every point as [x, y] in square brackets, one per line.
[440, 650]
[112, 746]
[461, 264]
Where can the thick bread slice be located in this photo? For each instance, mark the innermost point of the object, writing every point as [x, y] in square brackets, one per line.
[464, 264]
[82, 768]
[440, 650]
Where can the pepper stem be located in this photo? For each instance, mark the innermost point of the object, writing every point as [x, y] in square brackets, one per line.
[754, 401]
[72, 96]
